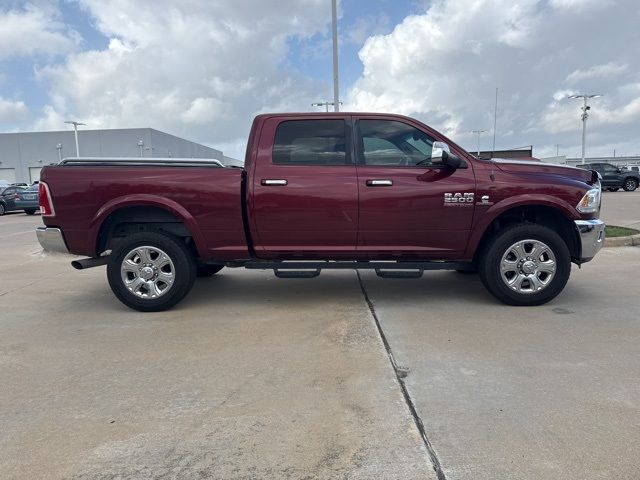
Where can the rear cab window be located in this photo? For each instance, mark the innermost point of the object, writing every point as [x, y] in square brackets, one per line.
[311, 142]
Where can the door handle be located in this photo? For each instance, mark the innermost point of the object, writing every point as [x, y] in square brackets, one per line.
[274, 182]
[379, 183]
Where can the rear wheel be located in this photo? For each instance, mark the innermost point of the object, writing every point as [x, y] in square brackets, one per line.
[151, 272]
[30, 211]
[630, 184]
[613, 189]
[525, 265]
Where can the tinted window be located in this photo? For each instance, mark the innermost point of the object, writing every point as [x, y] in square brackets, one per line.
[387, 142]
[609, 168]
[311, 142]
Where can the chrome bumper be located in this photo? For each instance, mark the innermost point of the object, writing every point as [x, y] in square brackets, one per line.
[51, 239]
[591, 237]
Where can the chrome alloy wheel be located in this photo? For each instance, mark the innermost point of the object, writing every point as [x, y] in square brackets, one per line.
[147, 272]
[528, 266]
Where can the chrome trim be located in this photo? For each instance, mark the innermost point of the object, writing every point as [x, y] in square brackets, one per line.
[592, 235]
[379, 183]
[51, 239]
[272, 182]
[141, 162]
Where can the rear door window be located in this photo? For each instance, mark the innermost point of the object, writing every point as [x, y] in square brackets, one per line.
[311, 142]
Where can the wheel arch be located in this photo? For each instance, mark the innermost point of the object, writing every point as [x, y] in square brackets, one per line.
[550, 215]
[144, 213]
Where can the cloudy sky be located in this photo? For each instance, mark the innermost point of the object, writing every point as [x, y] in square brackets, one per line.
[202, 68]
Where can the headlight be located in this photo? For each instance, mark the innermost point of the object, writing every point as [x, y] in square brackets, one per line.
[590, 203]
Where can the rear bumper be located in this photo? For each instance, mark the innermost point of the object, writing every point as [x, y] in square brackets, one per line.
[591, 238]
[51, 239]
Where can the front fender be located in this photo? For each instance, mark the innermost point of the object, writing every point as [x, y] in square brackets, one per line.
[147, 200]
[525, 200]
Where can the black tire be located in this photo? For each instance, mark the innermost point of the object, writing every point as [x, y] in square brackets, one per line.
[184, 271]
[30, 211]
[2, 209]
[630, 184]
[491, 258]
[613, 189]
[208, 270]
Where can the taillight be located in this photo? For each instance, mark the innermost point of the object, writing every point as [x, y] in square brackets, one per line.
[44, 199]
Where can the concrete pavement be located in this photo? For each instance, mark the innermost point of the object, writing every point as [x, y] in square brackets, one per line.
[257, 377]
[621, 208]
[250, 377]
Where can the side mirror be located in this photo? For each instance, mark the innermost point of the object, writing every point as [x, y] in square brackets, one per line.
[441, 156]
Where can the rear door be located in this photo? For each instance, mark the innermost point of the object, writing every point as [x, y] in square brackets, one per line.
[304, 201]
[403, 212]
[610, 175]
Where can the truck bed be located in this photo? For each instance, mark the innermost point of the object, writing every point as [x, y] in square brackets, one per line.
[203, 192]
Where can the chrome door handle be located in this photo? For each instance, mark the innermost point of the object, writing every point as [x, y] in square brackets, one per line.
[379, 183]
[274, 182]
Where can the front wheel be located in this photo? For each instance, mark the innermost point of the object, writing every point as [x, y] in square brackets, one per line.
[2, 209]
[30, 211]
[151, 272]
[525, 265]
[630, 184]
[613, 189]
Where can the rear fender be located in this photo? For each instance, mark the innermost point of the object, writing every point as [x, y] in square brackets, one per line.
[146, 200]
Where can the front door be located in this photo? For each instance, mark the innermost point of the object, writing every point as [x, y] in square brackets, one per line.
[403, 213]
[305, 195]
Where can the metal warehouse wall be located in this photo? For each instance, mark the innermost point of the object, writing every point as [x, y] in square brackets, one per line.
[23, 154]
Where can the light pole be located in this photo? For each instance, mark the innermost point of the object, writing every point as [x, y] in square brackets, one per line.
[324, 104]
[59, 147]
[141, 145]
[334, 25]
[585, 114]
[75, 129]
[478, 132]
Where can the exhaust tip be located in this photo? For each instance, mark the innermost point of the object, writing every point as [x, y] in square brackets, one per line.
[77, 265]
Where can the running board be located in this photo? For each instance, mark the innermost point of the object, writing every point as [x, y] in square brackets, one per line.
[399, 273]
[384, 269]
[296, 273]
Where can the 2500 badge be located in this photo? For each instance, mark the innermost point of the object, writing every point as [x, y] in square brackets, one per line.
[458, 199]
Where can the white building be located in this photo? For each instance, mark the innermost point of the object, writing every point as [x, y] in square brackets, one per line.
[22, 155]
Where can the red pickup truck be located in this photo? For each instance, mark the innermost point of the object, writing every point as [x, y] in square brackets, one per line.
[344, 190]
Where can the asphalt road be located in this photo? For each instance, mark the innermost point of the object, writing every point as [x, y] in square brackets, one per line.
[257, 377]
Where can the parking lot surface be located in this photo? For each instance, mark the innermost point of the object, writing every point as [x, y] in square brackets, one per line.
[621, 208]
[257, 377]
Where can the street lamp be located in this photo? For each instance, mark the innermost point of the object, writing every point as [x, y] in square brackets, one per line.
[324, 104]
[141, 145]
[75, 129]
[334, 27]
[478, 132]
[59, 147]
[585, 114]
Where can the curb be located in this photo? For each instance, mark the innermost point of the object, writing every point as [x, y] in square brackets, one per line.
[630, 241]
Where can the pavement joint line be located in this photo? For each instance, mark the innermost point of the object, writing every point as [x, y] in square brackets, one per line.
[401, 373]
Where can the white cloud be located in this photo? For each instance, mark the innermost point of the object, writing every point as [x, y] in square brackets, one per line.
[34, 29]
[196, 68]
[607, 70]
[443, 66]
[12, 112]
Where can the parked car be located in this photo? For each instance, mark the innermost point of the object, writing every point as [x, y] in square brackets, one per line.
[324, 191]
[8, 197]
[614, 178]
[27, 200]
